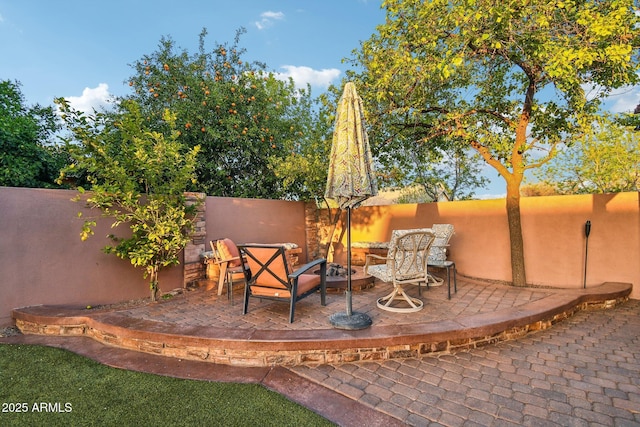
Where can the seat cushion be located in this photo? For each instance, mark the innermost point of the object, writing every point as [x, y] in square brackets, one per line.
[380, 271]
[264, 291]
[306, 282]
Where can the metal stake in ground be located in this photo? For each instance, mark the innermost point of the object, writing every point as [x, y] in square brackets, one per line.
[587, 231]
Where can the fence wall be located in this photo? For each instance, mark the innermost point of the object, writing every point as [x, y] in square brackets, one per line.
[256, 221]
[43, 261]
[553, 231]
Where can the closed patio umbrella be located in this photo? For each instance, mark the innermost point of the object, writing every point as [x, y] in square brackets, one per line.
[350, 181]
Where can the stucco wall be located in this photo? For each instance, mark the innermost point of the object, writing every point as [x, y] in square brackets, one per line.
[256, 221]
[553, 229]
[43, 261]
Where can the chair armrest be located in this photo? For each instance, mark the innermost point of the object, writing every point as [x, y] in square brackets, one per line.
[307, 267]
[222, 261]
[438, 251]
[368, 259]
[440, 246]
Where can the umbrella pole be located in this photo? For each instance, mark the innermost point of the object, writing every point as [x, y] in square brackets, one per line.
[349, 301]
[349, 319]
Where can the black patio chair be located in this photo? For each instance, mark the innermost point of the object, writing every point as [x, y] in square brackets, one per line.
[271, 279]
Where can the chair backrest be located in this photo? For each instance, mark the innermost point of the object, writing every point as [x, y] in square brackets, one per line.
[443, 233]
[408, 253]
[227, 249]
[268, 265]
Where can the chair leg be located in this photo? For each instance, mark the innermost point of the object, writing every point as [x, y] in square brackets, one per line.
[398, 294]
[420, 286]
[455, 278]
[292, 308]
[246, 298]
[323, 284]
[222, 278]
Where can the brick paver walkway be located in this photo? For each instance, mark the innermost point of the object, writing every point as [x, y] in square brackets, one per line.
[204, 308]
[584, 371]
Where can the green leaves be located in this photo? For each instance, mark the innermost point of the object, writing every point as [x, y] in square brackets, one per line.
[139, 178]
[28, 158]
[604, 160]
[242, 117]
[477, 70]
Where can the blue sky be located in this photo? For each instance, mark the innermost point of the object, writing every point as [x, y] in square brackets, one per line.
[65, 48]
[82, 49]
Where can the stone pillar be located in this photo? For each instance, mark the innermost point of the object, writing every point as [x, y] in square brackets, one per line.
[312, 231]
[318, 229]
[193, 267]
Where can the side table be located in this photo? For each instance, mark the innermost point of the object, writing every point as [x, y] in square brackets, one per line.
[448, 265]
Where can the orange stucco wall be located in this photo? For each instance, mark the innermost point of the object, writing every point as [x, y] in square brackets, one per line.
[553, 229]
[43, 261]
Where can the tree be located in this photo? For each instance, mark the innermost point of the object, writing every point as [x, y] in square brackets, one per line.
[303, 170]
[453, 171]
[138, 178]
[243, 117]
[28, 158]
[605, 160]
[630, 119]
[538, 189]
[505, 78]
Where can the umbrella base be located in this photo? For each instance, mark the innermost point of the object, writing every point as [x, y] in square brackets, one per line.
[352, 322]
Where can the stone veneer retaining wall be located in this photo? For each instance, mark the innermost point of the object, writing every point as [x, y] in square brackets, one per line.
[250, 354]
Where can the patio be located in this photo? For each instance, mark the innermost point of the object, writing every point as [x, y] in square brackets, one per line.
[198, 325]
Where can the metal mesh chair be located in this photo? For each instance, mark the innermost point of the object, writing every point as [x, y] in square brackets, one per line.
[405, 263]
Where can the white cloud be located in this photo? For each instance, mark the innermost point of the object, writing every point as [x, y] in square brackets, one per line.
[96, 98]
[303, 75]
[624, 100]
[267, 19]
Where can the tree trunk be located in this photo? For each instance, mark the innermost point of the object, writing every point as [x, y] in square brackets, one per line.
[518, 275]
[153, 282]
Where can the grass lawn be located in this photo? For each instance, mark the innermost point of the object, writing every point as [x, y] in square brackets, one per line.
[46, 386]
